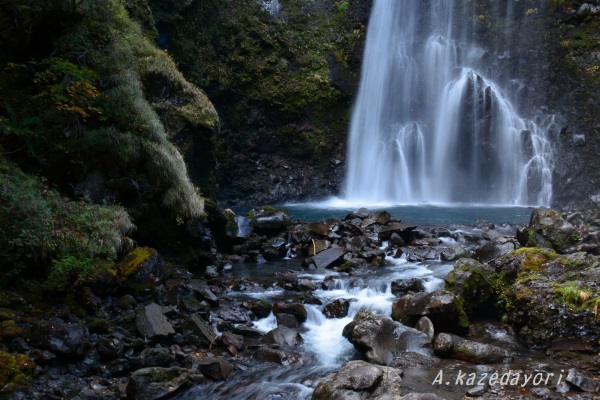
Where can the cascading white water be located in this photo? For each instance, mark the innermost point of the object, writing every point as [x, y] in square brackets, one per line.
[428, 126]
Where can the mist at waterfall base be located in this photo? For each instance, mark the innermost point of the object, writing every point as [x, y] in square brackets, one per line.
[435, 121]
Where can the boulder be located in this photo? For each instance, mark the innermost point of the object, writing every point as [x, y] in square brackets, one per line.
[247, 332]
[142, 266]
[401, 287]
[295, 309]
[317, 245]
[470, 280]
[198, 331]
[161, 383]
[380, 339]
[287, 320]
[454, 253]
[243, 227]
[155, 357]
[548, 229]
[361, 213]
[360, 380]
[110, 348]
[201, 289]
[337, 308]
[452, 346]
[232, 340]
[443, 308]
[275, 249]
[381, 217]
[269, 219]
[151, 322]
[421, 396]
[215, 368]
[325, 259]
[277, 356]
[260, 308]
[58, 337]
[405, 231]
[496, 248]
[425, 325]
[583, 382]
[282, 336]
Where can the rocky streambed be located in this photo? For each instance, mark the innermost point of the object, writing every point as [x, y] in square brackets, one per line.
[367, 307]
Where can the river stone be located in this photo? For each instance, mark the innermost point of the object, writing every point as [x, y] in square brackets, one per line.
[548, 229]
[425, 325]
[58, 337]
[282, 336]
[452, 346]
[151, 322]
[496, 248]
[322, 228]
[244, 227]
[325, 259]
[201, 289]
[196, 330]
[361, 213]
[581, 381]
[110, 347]
[337, 308]
[272, 355]
[401, 287]
[157, 383]
[380, 339]
[247, 332]
[260, 308]
[360, 380]
[381, 217]
[215, 368]
[454, 253]
[443, 308]
[270, 219]
[469, 279]
[231, 339]
[287, 320]
[190, 305]
[317, 245]
[295, 309]
[275, 249]
[155, 357]
[405, 231]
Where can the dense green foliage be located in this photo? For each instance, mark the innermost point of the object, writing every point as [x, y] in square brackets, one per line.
[69, 242]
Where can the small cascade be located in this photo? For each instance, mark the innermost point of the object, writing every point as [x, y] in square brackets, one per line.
[429, 126]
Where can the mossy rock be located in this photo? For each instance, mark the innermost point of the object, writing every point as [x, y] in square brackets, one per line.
[9, 330]
[15, 372]
[548, 229]
[141, 266]
[469, 279]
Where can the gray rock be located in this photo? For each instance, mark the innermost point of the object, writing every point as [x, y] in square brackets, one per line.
[477, 391]
[452, 346]
[421, 396]
[274, 249]
[58, 337]
[247, 332]
[326, 258]
[161, 383]
[215, 368]
[425, 325]
[155, 357]
[576, 378]
[231, 339]
[282, 336]
[361, 213]
[270, 219]
[443, 308]
[190, 305]
[151, 322]
[337, 308]
[244, 228]
[546, 394]
[496, 248]
[287, 320]
[548, 229]
[271, 355]
[295, 309]
[201, 289]
[380, 339]
[454, 253]
[260, 308]
[360, 380]
[196, 330]
[401, 287]
[110, 347]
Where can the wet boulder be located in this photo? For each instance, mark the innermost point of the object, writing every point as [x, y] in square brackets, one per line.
[401, 287]
[405, 231]
[452, 346]
[361, 213]
[275, 249]
[278, 356]
[201, 289]
[295, 309]
[548, 229]
[325, 259]
[337, 308]
[360, 380]
[154, 357]
[443, 308]
[142, 267]
[151, 322]
[470, 280]
[110, 348]
[215, 368]
[454, 253]
[260, 308]
[198, 331]
[58, 337]
[282, 336]
[496, 248]
[269, 219]
[579, 380]
[161, 383]
[380, 339]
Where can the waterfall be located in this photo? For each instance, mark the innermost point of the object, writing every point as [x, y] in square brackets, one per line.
[429, 125]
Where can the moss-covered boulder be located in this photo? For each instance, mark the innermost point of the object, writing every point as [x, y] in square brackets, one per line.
[142, 266]
[548, 229]
[444, 309]
[15, 371]
[470, 280]
[551, 300]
